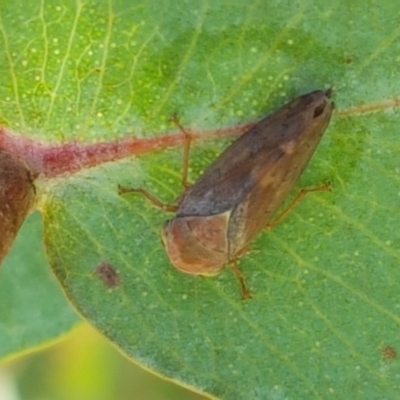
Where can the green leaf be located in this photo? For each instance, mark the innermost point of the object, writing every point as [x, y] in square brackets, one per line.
[33, 311]
[325, 282]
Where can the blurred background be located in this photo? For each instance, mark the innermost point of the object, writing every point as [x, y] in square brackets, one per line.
[85, 366]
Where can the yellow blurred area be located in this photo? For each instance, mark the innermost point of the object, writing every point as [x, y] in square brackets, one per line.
[85, 366]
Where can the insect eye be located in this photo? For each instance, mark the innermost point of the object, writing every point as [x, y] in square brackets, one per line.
[319, 110]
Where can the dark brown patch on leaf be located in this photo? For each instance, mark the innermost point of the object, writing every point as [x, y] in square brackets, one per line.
[389, 352]
[108, 275]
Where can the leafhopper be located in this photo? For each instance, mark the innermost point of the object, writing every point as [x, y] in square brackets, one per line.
[237, 196]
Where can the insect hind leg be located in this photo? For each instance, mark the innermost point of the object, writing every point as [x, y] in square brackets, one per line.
[325, 187]
[246, 294]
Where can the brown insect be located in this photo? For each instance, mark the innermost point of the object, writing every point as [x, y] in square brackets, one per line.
[237, 195]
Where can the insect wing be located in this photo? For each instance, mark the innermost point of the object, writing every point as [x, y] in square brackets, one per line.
[276, 169]
[234, 174]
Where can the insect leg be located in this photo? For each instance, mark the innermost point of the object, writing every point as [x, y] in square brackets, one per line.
[186, 150]
[158, 203]
[244, 289]
[325, 187]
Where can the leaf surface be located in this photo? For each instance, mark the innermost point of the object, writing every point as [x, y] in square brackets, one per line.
[325, 281]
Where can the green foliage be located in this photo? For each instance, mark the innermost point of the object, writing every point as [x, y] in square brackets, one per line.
[33, 311]
[325, 282]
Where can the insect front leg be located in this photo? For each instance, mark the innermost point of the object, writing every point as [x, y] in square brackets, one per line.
[185, 167]
[325, 187]
[154, 200]
[186, 150]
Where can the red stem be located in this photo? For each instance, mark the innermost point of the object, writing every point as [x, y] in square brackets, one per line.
[51, 160]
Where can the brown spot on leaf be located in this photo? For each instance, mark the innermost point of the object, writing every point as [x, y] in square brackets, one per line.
[389, 352]
[108, 275]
